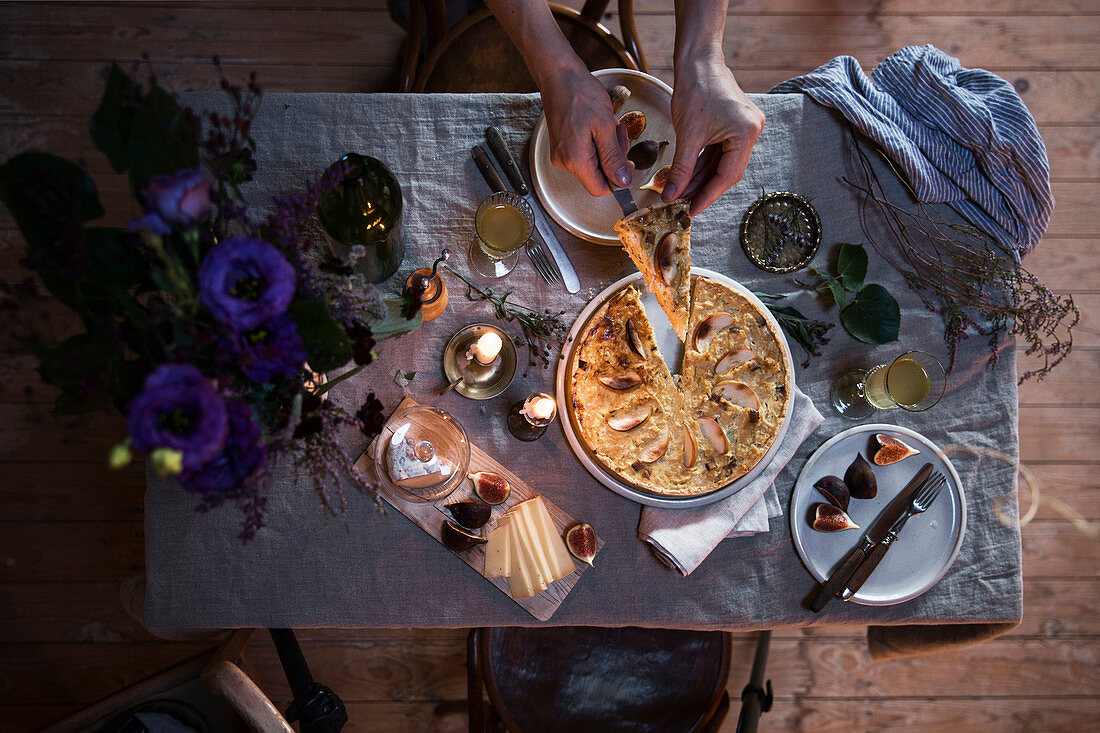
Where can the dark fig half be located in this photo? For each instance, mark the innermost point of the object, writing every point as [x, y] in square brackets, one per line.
[471, 514]
[457, 539]
[835, 490]
[860, 478]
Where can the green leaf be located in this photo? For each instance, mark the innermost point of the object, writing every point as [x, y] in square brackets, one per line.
[161, 140]
[394, 324]
[327, 345]
[47, 195]
[113, 118]
[851, 266]
[873, 317]
[839, 296]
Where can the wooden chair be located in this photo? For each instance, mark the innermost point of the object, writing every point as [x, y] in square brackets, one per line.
[593, 679]
[476, 55]
[213, 684]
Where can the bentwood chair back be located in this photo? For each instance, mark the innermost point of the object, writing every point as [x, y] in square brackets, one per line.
[475, 55]
[581, 679]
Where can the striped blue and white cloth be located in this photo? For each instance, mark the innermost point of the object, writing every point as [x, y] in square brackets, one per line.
[962, 136]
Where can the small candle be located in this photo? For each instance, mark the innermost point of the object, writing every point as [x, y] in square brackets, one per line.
[539, 409]
[542, 408]
[486, 349]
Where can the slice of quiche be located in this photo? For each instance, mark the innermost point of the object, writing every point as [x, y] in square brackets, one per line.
[658, 240]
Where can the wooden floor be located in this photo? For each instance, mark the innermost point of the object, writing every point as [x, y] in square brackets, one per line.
[70, 531]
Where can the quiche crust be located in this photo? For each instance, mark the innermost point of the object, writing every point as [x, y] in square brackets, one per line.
[642, 235]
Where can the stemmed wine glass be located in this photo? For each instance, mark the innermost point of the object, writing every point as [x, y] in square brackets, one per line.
[915, 381]
[503, 223]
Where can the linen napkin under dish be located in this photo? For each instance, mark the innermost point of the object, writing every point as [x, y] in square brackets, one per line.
[683, 538]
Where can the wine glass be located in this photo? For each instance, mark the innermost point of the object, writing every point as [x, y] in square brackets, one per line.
[503, 223]
[914, 381]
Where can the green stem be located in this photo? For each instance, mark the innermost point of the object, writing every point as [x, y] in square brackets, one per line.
[335, 381]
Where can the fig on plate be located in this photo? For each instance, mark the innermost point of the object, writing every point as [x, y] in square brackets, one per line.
[828, 518]
[658, 180]
[470, 514]
[708, 328]
[652, 451]
[645, 153]
[621, 381]
[491, 488]
[664, 257]
[581, 541]
[629, 418]
[618, 94]
[835, 490]
[891, 450]
[457, 539]
[635, 124]
[861, 479]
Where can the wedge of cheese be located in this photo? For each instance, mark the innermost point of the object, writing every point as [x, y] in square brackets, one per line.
[525, 579]
[498, 555]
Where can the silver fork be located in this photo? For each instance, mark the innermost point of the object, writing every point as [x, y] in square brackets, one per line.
[541, 260]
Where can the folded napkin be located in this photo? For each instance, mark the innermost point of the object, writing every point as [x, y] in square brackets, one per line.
[684, 537]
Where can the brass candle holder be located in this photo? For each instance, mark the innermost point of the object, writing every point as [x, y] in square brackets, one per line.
[529, 418]
[479, 361]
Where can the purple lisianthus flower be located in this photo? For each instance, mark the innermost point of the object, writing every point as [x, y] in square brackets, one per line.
[245, 281]
[179, 408]
[242, 456]
[272, 349]
[180, 199]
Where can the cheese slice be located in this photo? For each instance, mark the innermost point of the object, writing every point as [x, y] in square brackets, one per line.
[498, 556]
[524, 580]
[529, 542]
[553, 544]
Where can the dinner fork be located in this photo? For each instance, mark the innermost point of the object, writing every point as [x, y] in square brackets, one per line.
[541, 260]
[918, 504]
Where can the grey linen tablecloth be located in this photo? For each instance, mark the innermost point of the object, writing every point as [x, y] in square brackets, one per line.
[304, 570]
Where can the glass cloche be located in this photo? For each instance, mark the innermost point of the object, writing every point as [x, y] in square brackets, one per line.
[422, 454]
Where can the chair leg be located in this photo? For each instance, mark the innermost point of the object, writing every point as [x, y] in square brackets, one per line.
[474, 683]
[756, 698]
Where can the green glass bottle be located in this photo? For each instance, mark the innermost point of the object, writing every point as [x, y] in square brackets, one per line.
[365, 209]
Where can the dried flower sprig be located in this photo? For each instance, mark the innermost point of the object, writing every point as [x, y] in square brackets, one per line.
[978, 285]
[543, 331]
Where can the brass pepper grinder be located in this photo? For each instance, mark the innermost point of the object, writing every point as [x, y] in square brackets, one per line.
[430, 283]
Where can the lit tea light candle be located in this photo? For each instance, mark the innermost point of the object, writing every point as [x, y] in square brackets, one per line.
[486, 349]
[539, 409]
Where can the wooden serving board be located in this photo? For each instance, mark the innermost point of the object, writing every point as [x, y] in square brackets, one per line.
[429, 516]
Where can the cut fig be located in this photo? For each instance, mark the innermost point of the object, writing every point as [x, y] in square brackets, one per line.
[891, 450]
[733, 358]
[835, 490]
[652, 451]
[634, 340]
[710, 327]
[457, 539]
[618, 94]
[828, 518]
[691, 450]
[491, 488]
[714, 434]
[470, 514]
[738, 393]
[658, 180]
[635, 124]
[645, 153]
[621, 381]
[581, 541]
[664, 257]
[629, 418]
[860, 479]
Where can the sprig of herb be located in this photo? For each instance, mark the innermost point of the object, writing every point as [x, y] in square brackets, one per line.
[873, 316]
[977, 283]
[809, 333]
[543, 331]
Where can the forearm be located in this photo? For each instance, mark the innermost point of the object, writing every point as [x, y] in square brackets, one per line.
[532, 28]
[700, 25]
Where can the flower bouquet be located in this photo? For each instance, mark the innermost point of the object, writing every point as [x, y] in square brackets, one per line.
[206, 329]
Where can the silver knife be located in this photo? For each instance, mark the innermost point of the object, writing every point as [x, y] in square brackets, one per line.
[542, 226]
[878, 531]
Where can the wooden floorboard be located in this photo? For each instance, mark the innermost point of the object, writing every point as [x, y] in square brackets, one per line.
[71, 530]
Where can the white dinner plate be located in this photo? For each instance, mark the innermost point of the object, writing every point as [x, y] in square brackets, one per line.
[672, 349]
[562, 195]
[923, 551]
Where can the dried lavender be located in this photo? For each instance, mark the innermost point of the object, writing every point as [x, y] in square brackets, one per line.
[543, 332]
[962, 272]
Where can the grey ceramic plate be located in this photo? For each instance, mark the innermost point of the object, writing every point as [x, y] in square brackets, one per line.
[565, 199]
[926, 547]
[673, 351]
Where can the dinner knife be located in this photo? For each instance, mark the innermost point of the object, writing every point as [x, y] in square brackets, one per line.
[488, 170]
[542, 226]
[878, 531]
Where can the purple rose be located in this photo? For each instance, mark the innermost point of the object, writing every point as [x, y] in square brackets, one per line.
[245, 281]
[272, 349]
[180, 199]
[242, 456]
[179, 408]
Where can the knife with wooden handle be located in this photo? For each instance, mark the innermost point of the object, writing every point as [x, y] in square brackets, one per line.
[878, 531]
[488, 170]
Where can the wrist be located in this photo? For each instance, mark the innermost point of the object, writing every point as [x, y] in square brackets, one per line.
[697, 62]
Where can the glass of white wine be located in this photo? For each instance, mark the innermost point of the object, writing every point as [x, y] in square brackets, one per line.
[503, 223]
[915, 381]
